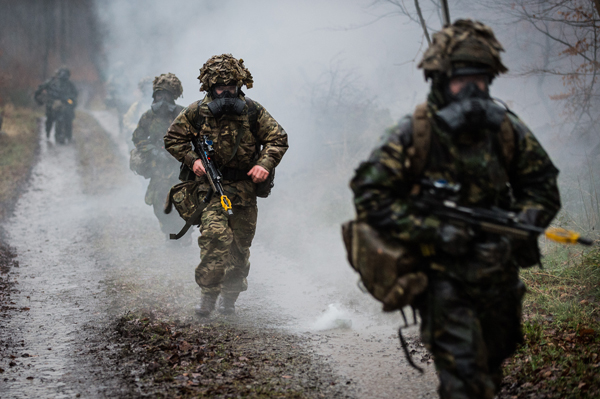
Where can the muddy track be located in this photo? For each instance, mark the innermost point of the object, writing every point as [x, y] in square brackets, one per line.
[94, 265]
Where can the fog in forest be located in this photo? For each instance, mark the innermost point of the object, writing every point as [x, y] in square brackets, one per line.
[334, 74]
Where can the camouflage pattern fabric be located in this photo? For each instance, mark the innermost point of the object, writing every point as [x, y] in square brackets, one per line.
[471, 329]
[225, 248]
[224, 132]
[163, 169]
[465, 41]
[168, 82]
[225, 242]
[471, 309]
[224, 68]
[382, 184]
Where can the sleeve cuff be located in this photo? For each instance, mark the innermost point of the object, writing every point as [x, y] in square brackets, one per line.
[190, 158]
[266, 163]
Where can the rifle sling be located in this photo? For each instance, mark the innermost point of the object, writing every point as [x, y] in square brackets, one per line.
[189, 223]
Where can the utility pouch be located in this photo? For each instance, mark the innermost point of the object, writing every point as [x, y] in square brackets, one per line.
[263, 190]
[185, 197]
[186, 174]
[138, 164]
[387, 268]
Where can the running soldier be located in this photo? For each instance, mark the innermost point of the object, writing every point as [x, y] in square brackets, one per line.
[149, 157]
[238, 127]
[60, 96]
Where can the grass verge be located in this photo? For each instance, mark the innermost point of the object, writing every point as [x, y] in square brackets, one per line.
[560, 357]
[19, 145]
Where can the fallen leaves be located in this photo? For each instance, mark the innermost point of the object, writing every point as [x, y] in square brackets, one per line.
[221, 360]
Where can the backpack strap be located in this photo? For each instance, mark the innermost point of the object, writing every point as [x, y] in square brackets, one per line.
[421, 141]
[506, 139]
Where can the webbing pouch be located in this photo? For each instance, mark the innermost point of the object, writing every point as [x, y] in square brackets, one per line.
[185, 197]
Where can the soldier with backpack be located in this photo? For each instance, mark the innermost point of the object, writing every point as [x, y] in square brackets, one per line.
[149, 159]
[463, 281]
[60, 97]
[248, 144]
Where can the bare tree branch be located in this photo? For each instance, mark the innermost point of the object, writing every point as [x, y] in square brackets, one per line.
[423, 25]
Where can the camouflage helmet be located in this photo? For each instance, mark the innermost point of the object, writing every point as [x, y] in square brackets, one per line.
[465, 45]
[224, 68]
[168, 82]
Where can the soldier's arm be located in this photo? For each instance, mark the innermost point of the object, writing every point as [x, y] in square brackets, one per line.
[140, 134]
[533, 176]
[178, 140]
[41, 89]
[382, 185]
[273, 138]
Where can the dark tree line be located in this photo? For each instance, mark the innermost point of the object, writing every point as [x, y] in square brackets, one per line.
[39, 36]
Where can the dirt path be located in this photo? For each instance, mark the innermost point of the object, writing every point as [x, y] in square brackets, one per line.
[87, 260]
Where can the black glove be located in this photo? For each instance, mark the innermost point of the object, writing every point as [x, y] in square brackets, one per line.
[454, 240]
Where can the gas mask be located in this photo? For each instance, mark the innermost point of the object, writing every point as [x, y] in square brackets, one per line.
[163, 102]
[161, 105]
[471, 110]
[226, 103]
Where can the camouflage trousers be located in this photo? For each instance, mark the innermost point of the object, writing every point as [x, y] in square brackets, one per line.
[470, 330]
[225, 248]
[156, 195]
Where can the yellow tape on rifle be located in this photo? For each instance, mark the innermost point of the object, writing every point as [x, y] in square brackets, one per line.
[225, 202]
[562, 235]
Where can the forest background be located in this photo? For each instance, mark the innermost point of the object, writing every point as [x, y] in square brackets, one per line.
[336, 105]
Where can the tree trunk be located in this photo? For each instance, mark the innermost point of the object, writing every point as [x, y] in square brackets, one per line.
[597, 3]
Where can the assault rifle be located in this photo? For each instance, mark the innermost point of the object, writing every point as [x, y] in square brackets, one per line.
[204, 148]
[439, 198]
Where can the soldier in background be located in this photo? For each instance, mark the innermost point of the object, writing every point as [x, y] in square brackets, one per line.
[149, 157]
[471, 308]
[60, 96]
[136, 110]
[238, 128]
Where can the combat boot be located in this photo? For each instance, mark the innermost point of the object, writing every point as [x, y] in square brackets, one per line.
[207, 304]
[227, 303]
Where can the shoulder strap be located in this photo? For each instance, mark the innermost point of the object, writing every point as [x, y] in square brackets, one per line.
[419, 152]
[506, 137]
[252, 117]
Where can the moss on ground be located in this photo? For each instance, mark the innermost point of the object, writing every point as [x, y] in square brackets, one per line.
[560, 357]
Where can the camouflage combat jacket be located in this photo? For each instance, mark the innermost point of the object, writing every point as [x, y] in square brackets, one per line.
[148, 139]
[382, 185]
[223, 131]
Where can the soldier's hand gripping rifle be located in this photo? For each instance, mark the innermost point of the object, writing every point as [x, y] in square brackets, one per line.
[204, 148]
[438, 198]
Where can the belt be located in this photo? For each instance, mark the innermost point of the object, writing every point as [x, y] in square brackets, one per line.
[233, 174]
